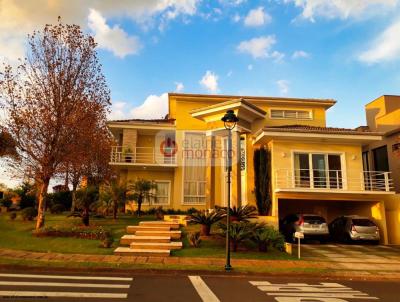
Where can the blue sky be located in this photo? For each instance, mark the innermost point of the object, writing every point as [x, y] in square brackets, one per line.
[348, 50]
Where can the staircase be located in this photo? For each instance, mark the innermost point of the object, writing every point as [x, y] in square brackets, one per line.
[150, 238]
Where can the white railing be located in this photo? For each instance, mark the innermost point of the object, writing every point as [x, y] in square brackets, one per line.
[313, 179]
[140, 155]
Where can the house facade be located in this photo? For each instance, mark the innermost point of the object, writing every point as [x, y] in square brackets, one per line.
[312, 168]
[383, 115]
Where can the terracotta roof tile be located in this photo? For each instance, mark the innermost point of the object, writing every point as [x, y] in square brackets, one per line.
[151, 121]
[314, 129]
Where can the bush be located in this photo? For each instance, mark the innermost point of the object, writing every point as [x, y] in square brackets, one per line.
[59, 198]
[6, 201]
[238, 232]
[194, 239]
[266, 237]
[13, 215]
[57, 209]
[242, 213]
[107, 241]
[159, 213]
[28, 214]
[191, 211]
[206, 219]
[97, 233]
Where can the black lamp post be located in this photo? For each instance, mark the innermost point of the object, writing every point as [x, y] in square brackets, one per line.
[230, 120]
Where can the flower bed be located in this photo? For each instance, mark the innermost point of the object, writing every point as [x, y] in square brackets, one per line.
[95, 233]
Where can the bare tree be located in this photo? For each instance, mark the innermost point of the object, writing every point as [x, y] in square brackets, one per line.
[52, 100]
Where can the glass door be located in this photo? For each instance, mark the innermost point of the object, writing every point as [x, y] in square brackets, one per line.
[319, 170]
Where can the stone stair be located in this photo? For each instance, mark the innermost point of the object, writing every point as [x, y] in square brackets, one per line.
[150, 238]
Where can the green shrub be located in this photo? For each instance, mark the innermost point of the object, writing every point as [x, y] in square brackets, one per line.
[242, 213]
[57, 209]
[59, 198]
[191, 211]
[206, 219]
[13, 215]
[238, 232]
[194, 239]
[266, 237]
[159, 213]
[6, 201]
[28, 213]
[107, 241]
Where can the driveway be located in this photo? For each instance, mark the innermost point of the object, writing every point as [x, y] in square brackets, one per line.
[358, 257]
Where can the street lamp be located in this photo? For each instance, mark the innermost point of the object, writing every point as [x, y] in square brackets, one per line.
[230, 120]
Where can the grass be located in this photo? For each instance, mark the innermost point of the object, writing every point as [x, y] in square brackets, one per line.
[17, 234]
[214, 246]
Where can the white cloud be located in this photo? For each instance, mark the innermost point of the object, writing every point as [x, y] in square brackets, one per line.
[155, 106]
[250, 67]
[260, 47]
[257, 17]
[385, 47]
[113, 39]
[17, 17]
[210, 81]
[342, 9]
[179, 87]
[118, 111]
[283, 86]
[236, 18]
[300, 54]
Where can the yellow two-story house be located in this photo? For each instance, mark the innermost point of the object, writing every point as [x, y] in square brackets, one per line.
[310, 168]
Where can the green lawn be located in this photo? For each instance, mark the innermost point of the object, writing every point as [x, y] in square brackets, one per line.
[17, 234]
[214, 246]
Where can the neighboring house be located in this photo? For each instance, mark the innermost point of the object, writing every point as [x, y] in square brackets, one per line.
[383, 115]
[314, 168]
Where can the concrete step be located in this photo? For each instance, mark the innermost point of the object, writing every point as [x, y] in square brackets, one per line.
[156, 246]
[131, 229]
[172, 225]
[172, 234]
[128, 239]
[126, 251]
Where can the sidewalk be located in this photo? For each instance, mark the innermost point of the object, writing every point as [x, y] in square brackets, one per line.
[307, 267]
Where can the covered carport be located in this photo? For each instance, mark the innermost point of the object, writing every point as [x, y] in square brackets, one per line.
[332, 206]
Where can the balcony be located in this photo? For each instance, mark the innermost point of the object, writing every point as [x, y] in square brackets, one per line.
[335, 181]
[141, 156]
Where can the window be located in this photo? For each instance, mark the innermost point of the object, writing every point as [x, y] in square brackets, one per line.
[291, 114]
[381, 162]
[195, 150]
[162, 192]
[318, 170]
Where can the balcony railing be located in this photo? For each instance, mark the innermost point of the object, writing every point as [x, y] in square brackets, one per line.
[333, 180]
[141, 156]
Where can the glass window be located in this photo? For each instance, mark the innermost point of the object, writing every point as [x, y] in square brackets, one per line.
[162, 192]
[381, 162]
[302, 170]
[195, 150]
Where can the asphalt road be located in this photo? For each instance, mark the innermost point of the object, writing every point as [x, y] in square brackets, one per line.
[29, 286]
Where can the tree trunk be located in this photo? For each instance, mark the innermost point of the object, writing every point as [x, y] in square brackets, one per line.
[205, 230]
[115, 209]
[85, 217]
[139, 206]
[43, 186]
[73, 204]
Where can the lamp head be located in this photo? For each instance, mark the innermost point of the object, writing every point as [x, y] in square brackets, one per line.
[230, 120]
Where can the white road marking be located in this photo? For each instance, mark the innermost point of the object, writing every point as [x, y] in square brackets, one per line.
[62, 294]
[203, 290]
[66, 277]
[51, 284]
[297, 292]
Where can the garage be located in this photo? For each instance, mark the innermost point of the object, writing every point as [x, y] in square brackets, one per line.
[333, 208]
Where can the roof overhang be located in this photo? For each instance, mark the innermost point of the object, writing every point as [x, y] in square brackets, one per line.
[244, 111]
[264, 136]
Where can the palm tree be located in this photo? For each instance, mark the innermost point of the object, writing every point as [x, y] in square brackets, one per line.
[141, 190]
[115, 192]
[206, 219]
[104, 205]
[85, 198]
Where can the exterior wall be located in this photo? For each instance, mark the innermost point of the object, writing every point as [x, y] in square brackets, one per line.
[129, 138]
[392, 208]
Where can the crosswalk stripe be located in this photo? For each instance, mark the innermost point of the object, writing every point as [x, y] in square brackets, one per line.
[66, 277]
[51, 284]
[203, 290]
[62, 294]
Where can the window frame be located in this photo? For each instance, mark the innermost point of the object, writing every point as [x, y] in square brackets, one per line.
[309, 111]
